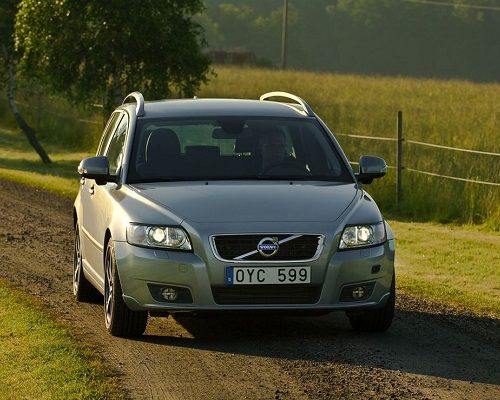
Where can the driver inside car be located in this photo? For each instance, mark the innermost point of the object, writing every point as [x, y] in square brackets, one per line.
[275, 158]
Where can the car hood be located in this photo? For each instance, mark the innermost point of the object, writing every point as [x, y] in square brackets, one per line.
[251, 202]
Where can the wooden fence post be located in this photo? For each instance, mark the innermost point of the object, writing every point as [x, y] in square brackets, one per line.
[399, 156]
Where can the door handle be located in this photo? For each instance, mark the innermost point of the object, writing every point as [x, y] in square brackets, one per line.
[91, 190]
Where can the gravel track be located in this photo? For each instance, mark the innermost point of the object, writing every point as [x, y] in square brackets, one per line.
[430, 352]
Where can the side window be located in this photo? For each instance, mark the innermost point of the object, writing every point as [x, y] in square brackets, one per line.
[115, 148]
[107, 133]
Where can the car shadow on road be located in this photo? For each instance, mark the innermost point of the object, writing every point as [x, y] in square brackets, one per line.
[446, 346]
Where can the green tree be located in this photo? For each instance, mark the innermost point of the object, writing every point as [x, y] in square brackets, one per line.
[8, 62]
[92, 50]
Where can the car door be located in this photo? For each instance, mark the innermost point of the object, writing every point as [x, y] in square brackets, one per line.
[96, 199]
[84, 215]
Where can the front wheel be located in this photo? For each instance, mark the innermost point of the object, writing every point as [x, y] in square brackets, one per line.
[119, 319]
[376, 320]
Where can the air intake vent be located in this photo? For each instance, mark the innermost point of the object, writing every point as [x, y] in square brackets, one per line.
[266, 294]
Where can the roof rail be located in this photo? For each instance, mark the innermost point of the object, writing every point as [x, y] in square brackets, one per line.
[139, 99]
[308, 110]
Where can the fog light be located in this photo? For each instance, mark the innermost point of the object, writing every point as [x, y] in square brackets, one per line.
[169, 294]
[358, 292]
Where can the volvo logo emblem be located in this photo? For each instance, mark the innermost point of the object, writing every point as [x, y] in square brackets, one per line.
[268, 246]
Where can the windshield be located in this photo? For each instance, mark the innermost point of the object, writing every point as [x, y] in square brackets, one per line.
[232, 149]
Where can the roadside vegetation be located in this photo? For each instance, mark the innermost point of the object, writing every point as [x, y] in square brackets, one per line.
[39, 359]
[448, 264]
[20, 163]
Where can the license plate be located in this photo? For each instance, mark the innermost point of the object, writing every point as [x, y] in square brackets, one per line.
[267, 275]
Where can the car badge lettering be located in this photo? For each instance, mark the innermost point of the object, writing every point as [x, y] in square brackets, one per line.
[268, 246]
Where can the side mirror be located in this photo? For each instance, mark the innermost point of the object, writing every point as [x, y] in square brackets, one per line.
[96, 168]
[370, 168]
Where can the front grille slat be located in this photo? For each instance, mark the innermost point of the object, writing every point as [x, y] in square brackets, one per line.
[266, 294]
[304, 247]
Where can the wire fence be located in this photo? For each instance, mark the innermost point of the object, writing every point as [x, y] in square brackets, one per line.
[367, 137]
[400, 167]
[453, 148]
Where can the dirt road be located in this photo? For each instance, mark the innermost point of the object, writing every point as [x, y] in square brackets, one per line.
[430, 352]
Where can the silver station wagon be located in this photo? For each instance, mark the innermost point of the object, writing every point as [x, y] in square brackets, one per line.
[225, 205]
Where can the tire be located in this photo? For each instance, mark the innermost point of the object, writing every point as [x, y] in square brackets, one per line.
[375, 320]
[82, 288]
[119, 319]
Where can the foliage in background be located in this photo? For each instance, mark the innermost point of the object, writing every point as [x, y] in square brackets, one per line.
[388, 37]
[7, 16]
[97, 50]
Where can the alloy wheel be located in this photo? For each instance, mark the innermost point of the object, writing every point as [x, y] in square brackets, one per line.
[108, 289]
[77, 263]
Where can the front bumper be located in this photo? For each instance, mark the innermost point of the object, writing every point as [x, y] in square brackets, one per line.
[140, 269]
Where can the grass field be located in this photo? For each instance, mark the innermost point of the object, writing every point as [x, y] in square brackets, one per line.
[39, 359]
[19, 162]
[449, 264]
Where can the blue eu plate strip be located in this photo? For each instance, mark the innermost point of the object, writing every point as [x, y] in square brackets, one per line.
[229, 276]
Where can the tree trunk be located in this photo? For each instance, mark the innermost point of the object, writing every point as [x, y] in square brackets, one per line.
[28, 131]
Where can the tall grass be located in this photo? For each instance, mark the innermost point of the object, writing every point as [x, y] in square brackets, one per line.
[451, 113]
[57, 122]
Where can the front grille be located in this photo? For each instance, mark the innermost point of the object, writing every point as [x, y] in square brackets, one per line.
[300, 248]
[266, 294]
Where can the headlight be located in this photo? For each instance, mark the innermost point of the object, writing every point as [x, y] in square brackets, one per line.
[362, 236]
[167, 237]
